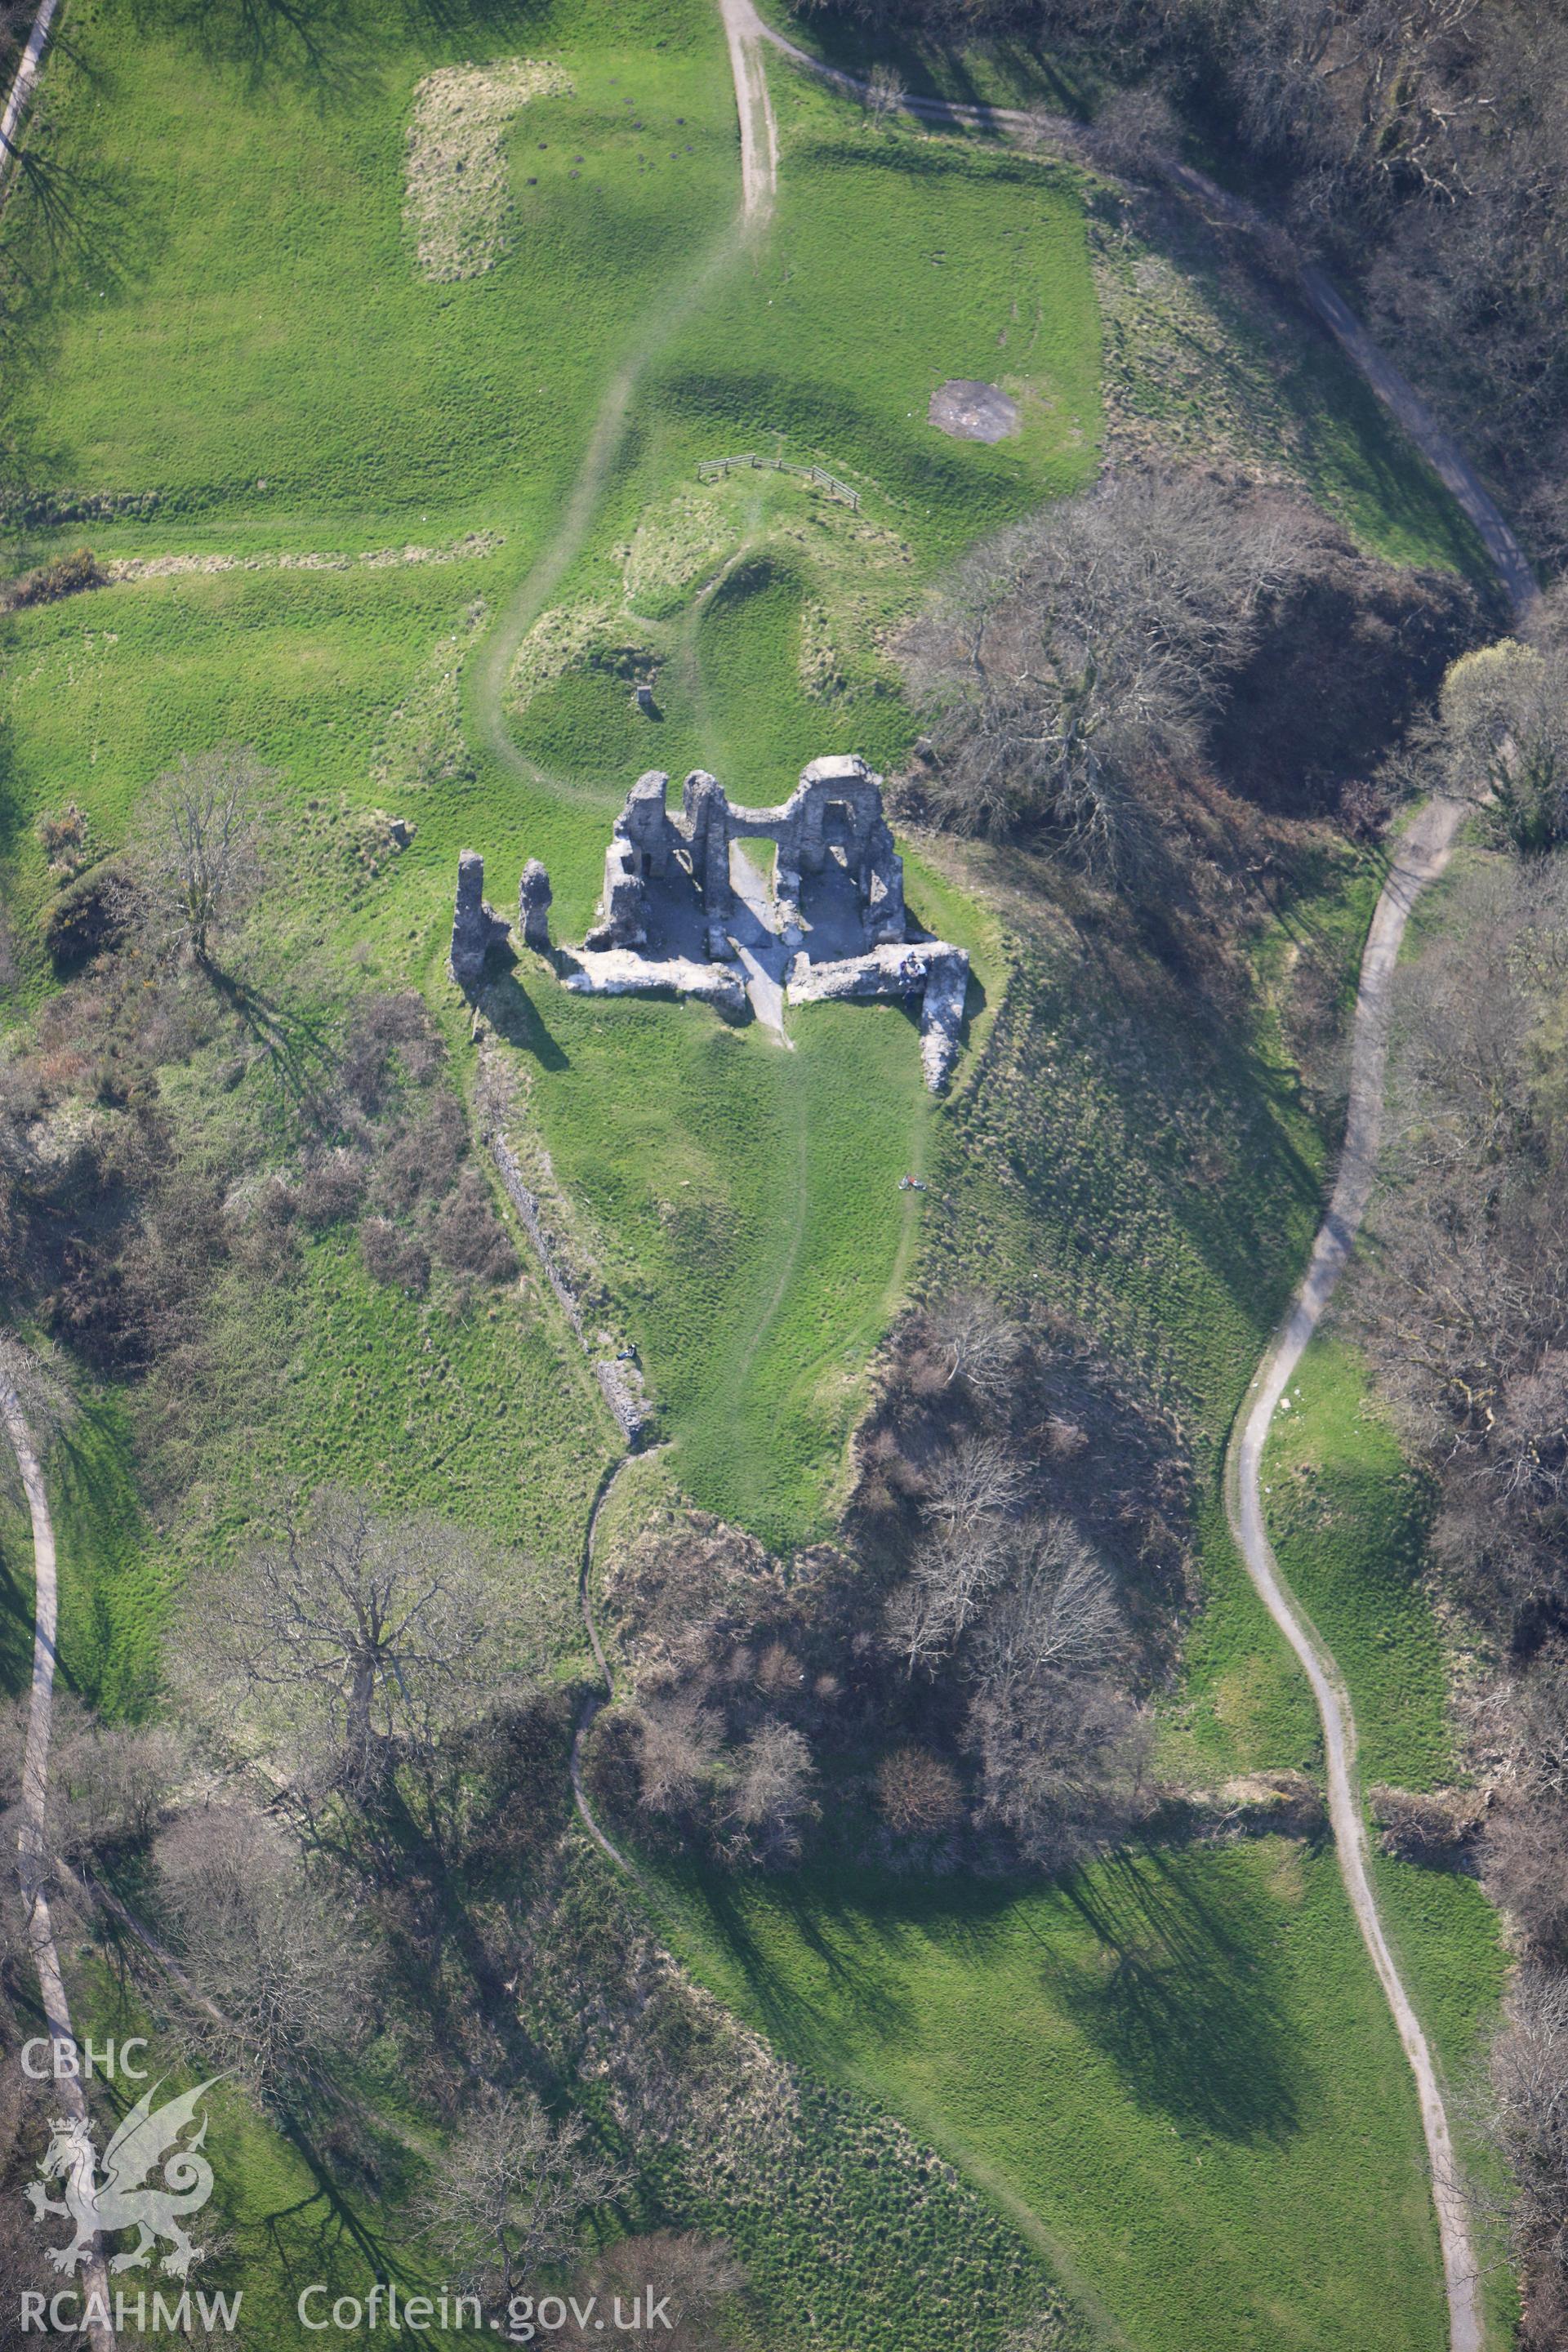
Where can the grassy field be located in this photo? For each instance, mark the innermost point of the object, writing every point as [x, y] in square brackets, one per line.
[1349, 1521]
[1212, 2014]
[240, 304]
[757, 1231]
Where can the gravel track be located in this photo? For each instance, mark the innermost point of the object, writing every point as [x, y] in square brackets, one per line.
[36, 1860]
[1421, 857]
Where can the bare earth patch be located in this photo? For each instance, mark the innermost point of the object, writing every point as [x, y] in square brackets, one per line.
[455, 190]
[968, 411]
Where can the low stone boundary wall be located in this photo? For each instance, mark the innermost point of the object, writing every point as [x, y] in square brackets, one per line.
[618, 972]
[621, 1383]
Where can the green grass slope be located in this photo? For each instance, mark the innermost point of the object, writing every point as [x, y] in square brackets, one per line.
[239, 304]
[1348, 1519]
[1176, 2070]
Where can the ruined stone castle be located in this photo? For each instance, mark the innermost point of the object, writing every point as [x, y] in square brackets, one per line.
[687, 907]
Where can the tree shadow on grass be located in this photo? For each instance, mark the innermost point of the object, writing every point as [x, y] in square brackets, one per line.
[856, 1926]
[847, 1942]
[298, 1052]
[1179, 1068]
[332, 48]
[78, 215]
[73, 235]
[15, 1621]
[329, 48]
[323, 2234]
[1189, 2013]
[101, 1521]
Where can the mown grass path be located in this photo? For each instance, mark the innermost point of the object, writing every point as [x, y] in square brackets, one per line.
[759, 183]
[533, 592]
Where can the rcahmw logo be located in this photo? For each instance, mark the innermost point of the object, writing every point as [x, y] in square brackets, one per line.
[153, 2179]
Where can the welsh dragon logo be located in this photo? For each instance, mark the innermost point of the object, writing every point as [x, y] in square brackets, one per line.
[147, 2140]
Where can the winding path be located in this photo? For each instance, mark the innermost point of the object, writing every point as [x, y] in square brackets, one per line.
[745, 31]
[37, 1862]
[1420, 858]
[592, 1705]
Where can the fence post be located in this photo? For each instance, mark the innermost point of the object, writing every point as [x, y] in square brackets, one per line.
[706, 467]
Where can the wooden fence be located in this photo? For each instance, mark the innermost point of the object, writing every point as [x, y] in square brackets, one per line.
[710, 469]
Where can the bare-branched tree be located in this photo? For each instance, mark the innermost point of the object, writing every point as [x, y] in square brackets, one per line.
[1061, 1752]
[1529, 2123]
[982, 1343]
[681, 1737]
[1058, 1616]
[34, 1379]
[108, 1783]
[1464, 1300]
[272, 1951]
[510, 2190]
[365, 1635]
[1082, 648]
[918, 1792]
[1524, 1856]
[688, 2278]
[884, 91]
[199, 844]
[771, 1798]
[973, 1490]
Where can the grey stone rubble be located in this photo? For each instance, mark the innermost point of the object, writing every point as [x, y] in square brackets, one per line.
[684, 909]
[621, 1381]
[620, 972]
[967, 410]
[476, 926]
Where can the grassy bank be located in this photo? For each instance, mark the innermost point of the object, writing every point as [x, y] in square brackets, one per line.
[1176, 2072]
